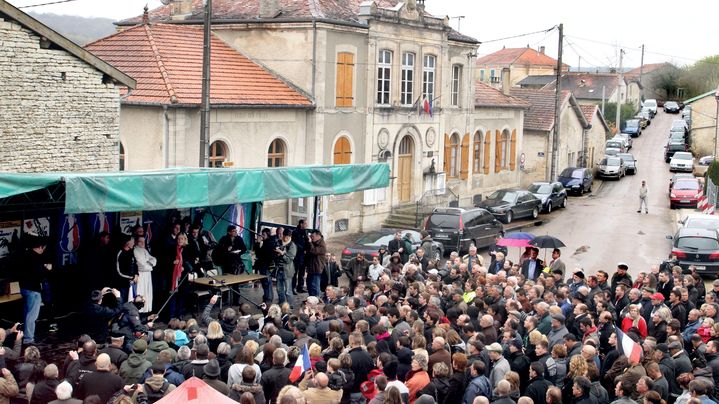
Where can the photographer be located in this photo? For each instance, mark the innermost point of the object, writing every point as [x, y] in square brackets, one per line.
[99, 316]
[285, 254]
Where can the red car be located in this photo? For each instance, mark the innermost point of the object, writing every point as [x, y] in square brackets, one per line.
[685, 192]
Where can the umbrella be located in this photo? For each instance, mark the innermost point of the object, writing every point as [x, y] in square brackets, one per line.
[547, 242]
[516, 239]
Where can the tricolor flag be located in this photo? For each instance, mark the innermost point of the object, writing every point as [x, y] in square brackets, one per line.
[631, 349]
[303, 364]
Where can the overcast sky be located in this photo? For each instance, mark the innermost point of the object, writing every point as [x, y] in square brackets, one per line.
[676, 32]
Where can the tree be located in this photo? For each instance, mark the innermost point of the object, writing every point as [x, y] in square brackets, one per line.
[664, 83]
[610, 114]
[701, 77]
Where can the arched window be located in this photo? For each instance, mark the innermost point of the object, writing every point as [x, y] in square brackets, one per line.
[122, 157]
[505, 150]
[277, 154]
[451, 155]
[343, 151]
[218, 154]
[477, 152]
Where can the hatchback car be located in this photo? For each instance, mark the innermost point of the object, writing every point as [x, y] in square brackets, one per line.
[369, 243]
[552, 194]
[612, 167]
[671, 107]
[633, 127]
[508, 204]
[682, 161]
[457, 229]
[645, 119]
[698, 248]
[679, 125]
[700, 221]
[576, 180]
[685, 192]
[629, 162]
[676, 177]
[651, 104]
[615, 144]
[628, 143]
[648, 111]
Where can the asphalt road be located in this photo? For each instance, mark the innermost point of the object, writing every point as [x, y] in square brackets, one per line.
[604, 228]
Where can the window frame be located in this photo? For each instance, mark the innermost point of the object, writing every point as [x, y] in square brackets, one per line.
[214, 158]
[477, 152]
[384, 77]
[275, 154]
[456, 90]
[122, 158]
[504, 162]
[454, 157]
[407, 79]
[429, 76]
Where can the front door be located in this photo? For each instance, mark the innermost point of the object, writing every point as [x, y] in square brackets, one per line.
[404, 168]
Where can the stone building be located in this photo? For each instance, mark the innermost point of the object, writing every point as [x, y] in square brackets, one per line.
[704, 123]
[520, 62]
[657, 80]
[592, 88]
[59, 104]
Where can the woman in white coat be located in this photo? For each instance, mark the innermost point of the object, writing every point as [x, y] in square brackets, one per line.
[145, 265]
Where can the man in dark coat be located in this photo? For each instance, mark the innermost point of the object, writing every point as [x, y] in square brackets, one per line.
[299, 237]
[264, 253]
[332, 272]
[229, 250]
[316, 250]
[538, 385]
[532, 267]
[665, 284]
[519, 362]
[621, 276]
[35, 270]
[277, 377]
[98, 316]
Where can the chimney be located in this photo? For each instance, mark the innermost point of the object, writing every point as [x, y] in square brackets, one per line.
[181, 10]
[270, 8]
[505, 81]
[541, 49]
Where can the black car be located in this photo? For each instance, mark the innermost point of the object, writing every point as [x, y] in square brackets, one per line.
[369, 243]
[576, 180]
[457, 229]
[671, 107]
[697, 247]
[673, 147]
[507, 204]
[552, 194]
[633, 127]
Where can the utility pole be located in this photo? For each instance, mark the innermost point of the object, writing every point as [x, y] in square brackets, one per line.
[205, 108]
[641, 73]
[554, 162]
[459, 19]
[579, 64]
[620, 78]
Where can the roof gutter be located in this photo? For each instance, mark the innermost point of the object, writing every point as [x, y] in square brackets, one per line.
[255, 21]
[220, 106]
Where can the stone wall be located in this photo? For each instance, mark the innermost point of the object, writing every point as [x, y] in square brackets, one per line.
[56, 112]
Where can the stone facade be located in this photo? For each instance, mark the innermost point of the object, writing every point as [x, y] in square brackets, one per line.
[704, 130]
[58, 112]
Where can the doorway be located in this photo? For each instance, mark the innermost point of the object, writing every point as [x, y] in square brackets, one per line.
[404, 168]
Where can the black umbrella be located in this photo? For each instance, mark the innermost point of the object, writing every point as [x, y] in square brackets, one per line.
[547, 242]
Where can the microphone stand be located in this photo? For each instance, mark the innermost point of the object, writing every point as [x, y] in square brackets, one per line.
[184, 278]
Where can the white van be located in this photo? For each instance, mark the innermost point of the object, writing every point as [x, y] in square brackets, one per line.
[651, 104]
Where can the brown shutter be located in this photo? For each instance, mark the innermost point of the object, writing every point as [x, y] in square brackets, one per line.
[447, 153]
[464, 167]
[513, 151]
[345, 68]
[487, 153]
[497, 152]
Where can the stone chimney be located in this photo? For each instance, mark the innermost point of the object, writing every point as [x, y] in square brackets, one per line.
[270, 8]
[541, 49]
[505, 81]
[181, 10]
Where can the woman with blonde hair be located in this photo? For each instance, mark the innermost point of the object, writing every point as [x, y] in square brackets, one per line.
[513, 379]
[577, 367]
[635, 319]
[315, 354]
[215, 335]
[291, 391]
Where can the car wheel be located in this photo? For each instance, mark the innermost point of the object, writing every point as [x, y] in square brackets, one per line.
[581, 190]
[564, 203]
[549, 207]
[535, 213]
[508, 217]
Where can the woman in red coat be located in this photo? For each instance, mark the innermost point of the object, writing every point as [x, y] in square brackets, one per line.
[634, 319]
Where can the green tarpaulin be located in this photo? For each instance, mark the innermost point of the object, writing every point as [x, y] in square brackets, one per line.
[185, 188]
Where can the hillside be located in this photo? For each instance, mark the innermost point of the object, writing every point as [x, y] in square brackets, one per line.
[80, 30]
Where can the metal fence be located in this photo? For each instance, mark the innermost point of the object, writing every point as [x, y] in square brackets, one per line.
[712, 191]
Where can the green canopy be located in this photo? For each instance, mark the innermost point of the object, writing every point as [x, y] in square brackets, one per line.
[186, 188]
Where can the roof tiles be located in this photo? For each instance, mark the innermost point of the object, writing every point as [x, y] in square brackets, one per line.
[166, 61]
[517, 56]
[540, 116]
[487, 96]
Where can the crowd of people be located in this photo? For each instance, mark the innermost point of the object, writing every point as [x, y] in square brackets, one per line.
[402, 327]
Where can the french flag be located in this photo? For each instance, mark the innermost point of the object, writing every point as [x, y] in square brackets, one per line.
[631, 349]
[302, 364]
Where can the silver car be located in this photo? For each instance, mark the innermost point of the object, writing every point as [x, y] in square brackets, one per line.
[612, 167]
[629, 161]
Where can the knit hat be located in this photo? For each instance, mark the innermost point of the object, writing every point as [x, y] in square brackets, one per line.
[139, 346]
[658, 296]
[559, 317]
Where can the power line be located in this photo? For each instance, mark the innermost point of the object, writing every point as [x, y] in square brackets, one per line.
[582, 55]
[47, 4]
[519, 36]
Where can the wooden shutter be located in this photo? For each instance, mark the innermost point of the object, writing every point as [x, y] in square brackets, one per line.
[464, 166]
[513, 151]
[447, 153]
[343, 151]
[487, 147]
[497, 152]
[345, 69]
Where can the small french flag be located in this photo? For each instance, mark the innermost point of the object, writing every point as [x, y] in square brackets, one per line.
[631, 349]
[303, 364]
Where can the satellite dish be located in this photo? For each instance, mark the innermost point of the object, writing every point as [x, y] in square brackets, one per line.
[166, 2]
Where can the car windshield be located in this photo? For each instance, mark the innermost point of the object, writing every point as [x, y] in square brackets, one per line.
[626, 157]
[682, 156]
[375, 239]
[678, 125]
[697, 243]
[676, 146]
[540, 189]
[650, 103]
[572, 173]
[671, 104]
[611, 161]
[615, 145]
[702, 223]
[632, 123]
[506, 196]
[686, 185]
[444, 220]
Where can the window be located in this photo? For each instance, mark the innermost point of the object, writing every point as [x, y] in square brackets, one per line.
[345, 75]
[277, 154]
[343, 151]
[456, 84]
[477, 152]
[384, 73]
[451, 154]
[430, 63]
[122, 157]
[481, 75]
[407, 90]
[492, 77]
[218, 154]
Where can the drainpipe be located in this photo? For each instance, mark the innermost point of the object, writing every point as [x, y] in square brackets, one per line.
[165, 137]
[314, 55]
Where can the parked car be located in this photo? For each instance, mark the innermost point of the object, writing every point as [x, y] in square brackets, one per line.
[702, 165]
[685, 193]
[369, 243]
[675, 137]
[698, 248]
[648, 111]
[552, 194]
[576, 180]
[700, 221]
[671, 107]
[457, 229]
[686, 111]
[626, 138]
[629, 162]
[673, 147]
[508, 204]
[615, 144]
[682, 161]
[611, 167]
[679, 125]
[633, 127]
[652, 105]
[645, 119]
[676, 177]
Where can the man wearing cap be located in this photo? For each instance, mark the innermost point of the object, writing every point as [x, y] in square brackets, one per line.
[621, 276]
[667, 367]
[136, 364]
[35, 270]
[211, 376]
[681, 359]
[577, 282]
[559, 330]
[114, 350]
[658, 304]
[532, 266]
[519, 362]
[500, 365]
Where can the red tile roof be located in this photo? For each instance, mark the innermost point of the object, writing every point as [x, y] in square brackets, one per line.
[166, 61]
[487, 96]
[588, 111]
[517, 56]
[648, 69]
[540, 116]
